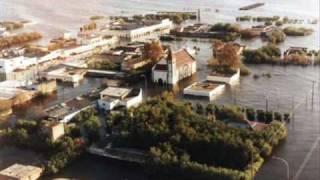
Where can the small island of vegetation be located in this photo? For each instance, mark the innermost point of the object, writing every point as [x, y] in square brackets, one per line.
[294, 31]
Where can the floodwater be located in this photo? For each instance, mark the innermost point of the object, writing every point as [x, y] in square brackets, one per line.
[289, 86]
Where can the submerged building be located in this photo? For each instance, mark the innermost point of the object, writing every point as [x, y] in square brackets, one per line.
[175, 67]
[113, 97]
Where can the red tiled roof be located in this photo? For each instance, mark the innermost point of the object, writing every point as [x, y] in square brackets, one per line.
[183, 57]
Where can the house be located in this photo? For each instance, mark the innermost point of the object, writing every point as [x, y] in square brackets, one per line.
[174, 67]
[113, 97]
[21, 172]
[54, 129]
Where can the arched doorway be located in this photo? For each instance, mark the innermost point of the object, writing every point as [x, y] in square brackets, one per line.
[160, 81]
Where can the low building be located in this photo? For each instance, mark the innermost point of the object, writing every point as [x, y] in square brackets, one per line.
[227, 78]
[17, 96]
[175, 67]
[54, 129]
[113, 97]
[64, 74]
[134, 30]
[64, 112]
[13, 59]
[21, 172]
[204, 89]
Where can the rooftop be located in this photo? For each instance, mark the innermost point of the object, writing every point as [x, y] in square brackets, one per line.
[183, 57]
[68, 107]
[204, 86]
[20, 171]
[116, 92]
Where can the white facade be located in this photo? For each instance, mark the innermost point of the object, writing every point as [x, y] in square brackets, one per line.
[109, 101]
[233, 79]
[180, 66]
[164, 25]
[88, 44]
[8, 65]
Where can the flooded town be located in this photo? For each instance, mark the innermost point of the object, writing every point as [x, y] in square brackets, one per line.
[141, 89]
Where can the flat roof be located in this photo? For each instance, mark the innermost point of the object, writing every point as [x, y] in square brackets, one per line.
[204, 86]
[20, 171]
[116, 92]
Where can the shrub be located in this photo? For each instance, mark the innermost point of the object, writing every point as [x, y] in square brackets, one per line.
[276, 37]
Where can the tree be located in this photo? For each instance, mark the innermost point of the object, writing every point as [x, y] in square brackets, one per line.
[92, 127]
[154, 50]
[227, 54]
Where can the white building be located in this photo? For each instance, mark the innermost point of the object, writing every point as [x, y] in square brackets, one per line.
[136, 30]
[64, 75]
[21, 172]
[13, 59]
[205, 89]
[113, 97]
[89, 43]
[175, 67]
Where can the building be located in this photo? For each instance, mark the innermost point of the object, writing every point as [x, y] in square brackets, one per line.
[134, 30]
[13, 59]
[204, 89]
[21, 172]
[113, 97]
[64, 74]
[54, 129]
[16, 96]
[175, 67]
[65, 112]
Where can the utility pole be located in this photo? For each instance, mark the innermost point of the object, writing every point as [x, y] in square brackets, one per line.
[292, 110]
[312, 96]
[199, 16]
[267, 104]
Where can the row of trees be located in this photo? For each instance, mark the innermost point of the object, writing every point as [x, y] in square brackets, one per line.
[188, 145]
[6, 42]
